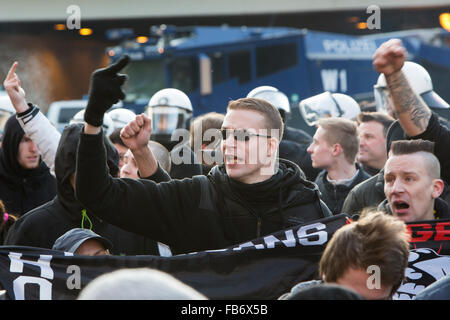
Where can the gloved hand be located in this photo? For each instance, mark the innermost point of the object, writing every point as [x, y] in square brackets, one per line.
[105, 90]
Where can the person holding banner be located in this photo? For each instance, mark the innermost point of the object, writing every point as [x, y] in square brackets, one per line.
[249, 196]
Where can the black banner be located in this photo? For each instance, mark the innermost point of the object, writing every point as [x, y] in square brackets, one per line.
[264, 268]
[429, 259]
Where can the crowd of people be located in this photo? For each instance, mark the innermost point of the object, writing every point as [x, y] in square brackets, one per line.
[236, 177]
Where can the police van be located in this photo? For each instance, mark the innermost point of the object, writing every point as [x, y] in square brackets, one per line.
[213, 65]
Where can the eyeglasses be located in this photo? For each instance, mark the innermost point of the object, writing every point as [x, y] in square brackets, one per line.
[240, 134]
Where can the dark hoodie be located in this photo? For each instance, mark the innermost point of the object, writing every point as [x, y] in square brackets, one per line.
[42, 226]
[22, 189]
[293, 148]
[195, 214]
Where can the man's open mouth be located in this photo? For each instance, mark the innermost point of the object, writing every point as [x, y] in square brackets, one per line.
[400, 206]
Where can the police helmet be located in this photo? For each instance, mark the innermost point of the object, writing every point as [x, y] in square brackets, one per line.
[108, 124]
[272, 95]
[327, 105]
[169, 109]
[121, 117]
[420, 82]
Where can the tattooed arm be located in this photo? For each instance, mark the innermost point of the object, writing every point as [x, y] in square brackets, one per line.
[411, 111]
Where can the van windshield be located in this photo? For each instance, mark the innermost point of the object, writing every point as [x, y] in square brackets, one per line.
[144, 79]
[66, 114]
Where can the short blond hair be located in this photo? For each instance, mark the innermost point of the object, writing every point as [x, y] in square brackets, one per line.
[267, 110]
[344, 132]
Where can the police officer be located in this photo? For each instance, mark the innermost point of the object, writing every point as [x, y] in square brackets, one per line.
[171, 113]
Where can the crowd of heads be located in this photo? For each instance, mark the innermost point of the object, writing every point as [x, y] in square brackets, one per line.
[246, 141]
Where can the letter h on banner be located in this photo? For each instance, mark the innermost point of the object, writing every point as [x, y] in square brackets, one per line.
[45, 286]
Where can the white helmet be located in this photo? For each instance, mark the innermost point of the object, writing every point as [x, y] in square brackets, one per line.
[108, 124]
[169, 109]
[420, 82]
[327, 105]
[121, 117]
[272, 95]
[6, 111]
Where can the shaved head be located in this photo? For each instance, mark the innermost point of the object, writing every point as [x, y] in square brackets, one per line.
[422, 148]
[432, 164]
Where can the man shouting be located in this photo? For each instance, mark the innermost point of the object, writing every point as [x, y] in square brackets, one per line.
[252, 194]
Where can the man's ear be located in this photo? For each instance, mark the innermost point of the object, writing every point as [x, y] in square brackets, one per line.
[336, 149]
[438, 188]
[272, 146]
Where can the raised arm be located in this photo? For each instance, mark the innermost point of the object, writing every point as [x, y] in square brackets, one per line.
[33, 122]
[158, 211]
[136, 135]
[412, 112]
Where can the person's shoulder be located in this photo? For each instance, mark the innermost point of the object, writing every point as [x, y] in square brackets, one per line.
[366, 184]
[363, 176]
[38, 214]
[321, 178]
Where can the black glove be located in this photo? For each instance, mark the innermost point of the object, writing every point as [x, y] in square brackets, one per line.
[105, 90]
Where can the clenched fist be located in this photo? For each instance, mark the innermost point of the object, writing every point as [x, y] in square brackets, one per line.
[389, 57]
[136, 134]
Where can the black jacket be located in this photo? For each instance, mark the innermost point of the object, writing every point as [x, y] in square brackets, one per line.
[22, 189]
[293, 148]
[368, 193]
[296, 153]
[205, 212]
[42, 226]
[184, 163]
[334, 195]
[297, 136]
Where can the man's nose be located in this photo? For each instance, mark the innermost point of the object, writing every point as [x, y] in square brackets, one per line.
[33, 147]
[229, 140]
[362, 141]
[398, 186]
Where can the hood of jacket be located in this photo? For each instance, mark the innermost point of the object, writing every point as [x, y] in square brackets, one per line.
[10, 169]
[288, 187]
[65, 164]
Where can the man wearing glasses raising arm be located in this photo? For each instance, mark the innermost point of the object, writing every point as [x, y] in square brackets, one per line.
[250, 195]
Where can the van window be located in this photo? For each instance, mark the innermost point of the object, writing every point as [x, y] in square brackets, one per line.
[66, 114]
[218, 67]
[184, 74]
[271, 59]
[145, 78]
[240, 66]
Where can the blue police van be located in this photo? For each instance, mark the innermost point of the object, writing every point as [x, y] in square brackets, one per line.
[213, 65]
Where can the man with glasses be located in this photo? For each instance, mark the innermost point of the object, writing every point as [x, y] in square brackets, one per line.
[251, 195]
